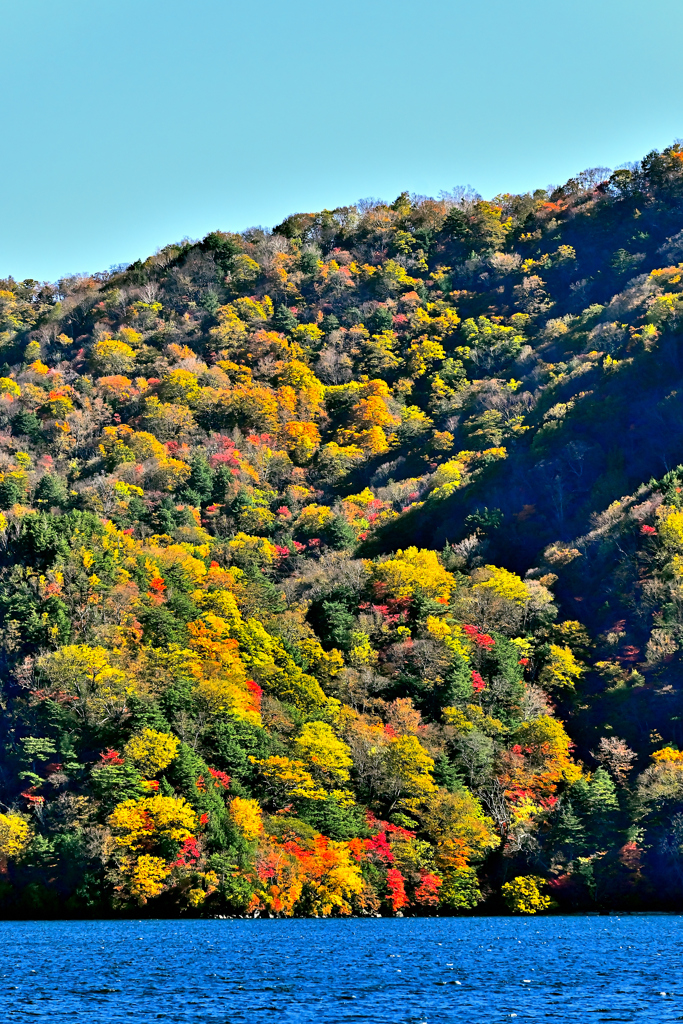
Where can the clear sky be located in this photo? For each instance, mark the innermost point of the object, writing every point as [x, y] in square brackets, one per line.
[128, 124]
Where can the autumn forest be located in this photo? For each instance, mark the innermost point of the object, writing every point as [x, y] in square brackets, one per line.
[341, 564]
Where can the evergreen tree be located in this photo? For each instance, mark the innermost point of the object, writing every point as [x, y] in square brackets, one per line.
[284, 320]
[51, 491]
[569, 831]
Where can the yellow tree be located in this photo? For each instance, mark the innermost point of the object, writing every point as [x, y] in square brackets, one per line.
[329, 755]
[151, 822]
[152, 751]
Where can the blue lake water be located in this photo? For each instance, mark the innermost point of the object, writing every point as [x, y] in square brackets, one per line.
[471, 970]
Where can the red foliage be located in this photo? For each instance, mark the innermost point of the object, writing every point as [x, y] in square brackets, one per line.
[427, 891]
[221, 779]
[32, 799]
[256, 694]
[379, 846]
[397, 892]
[111, 756]
[480, 639]
[188, 854]
[649, 531]
[478, 683]
[157, 585]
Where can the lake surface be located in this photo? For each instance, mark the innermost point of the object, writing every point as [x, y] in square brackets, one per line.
[410, 971]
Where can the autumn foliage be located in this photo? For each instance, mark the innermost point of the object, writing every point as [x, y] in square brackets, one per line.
[338, 574]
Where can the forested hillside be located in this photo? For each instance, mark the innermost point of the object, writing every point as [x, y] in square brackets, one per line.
[341, 565]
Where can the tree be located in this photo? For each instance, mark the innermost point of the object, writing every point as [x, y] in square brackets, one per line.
[561, 670]
[523, 895]
[153, 822]
[284, 320]
[97, 690]
[329, 756]
[407, 772]
[112, 355]
[50, 491]
[151, 751]
[15, 835]
[412, 572]
[246, 815]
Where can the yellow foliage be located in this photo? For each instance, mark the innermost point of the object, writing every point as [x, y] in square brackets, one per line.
[15, 835]
[667, 754]
[323, 664]
[504, 583]
[334, 880]
[447, 477]
[243, 269]
[318, 744]
[562, 671]
[152, 751]
[85, 673]
[231, 332]
[246, 815]
[456, 822]
[313, 519]
[141, 824]
[290, 776]
[408, 769]
[422, 353]
[410, 572]
[219, 670]
[257, 547]
[302, 440]
[442, 440]
[307, 335]
[547, 760]
[303, 381]
[373, 412]
[670, 527]
[523, 895]
[457, 718]
[111, 356]
[148, 877]
[180, 386]
[252, 311]
[266, 656]
[9, 387]
[362, 652]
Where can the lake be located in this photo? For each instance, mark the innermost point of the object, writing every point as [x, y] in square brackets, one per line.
[410, 971]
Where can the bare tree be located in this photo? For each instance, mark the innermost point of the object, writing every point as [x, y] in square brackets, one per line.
[616, 756]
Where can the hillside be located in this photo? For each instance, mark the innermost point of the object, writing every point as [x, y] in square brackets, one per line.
[341, 564]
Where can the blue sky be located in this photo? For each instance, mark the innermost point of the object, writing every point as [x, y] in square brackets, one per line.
[128, 124]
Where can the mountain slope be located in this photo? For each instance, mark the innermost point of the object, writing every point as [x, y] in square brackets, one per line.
[284, 515]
